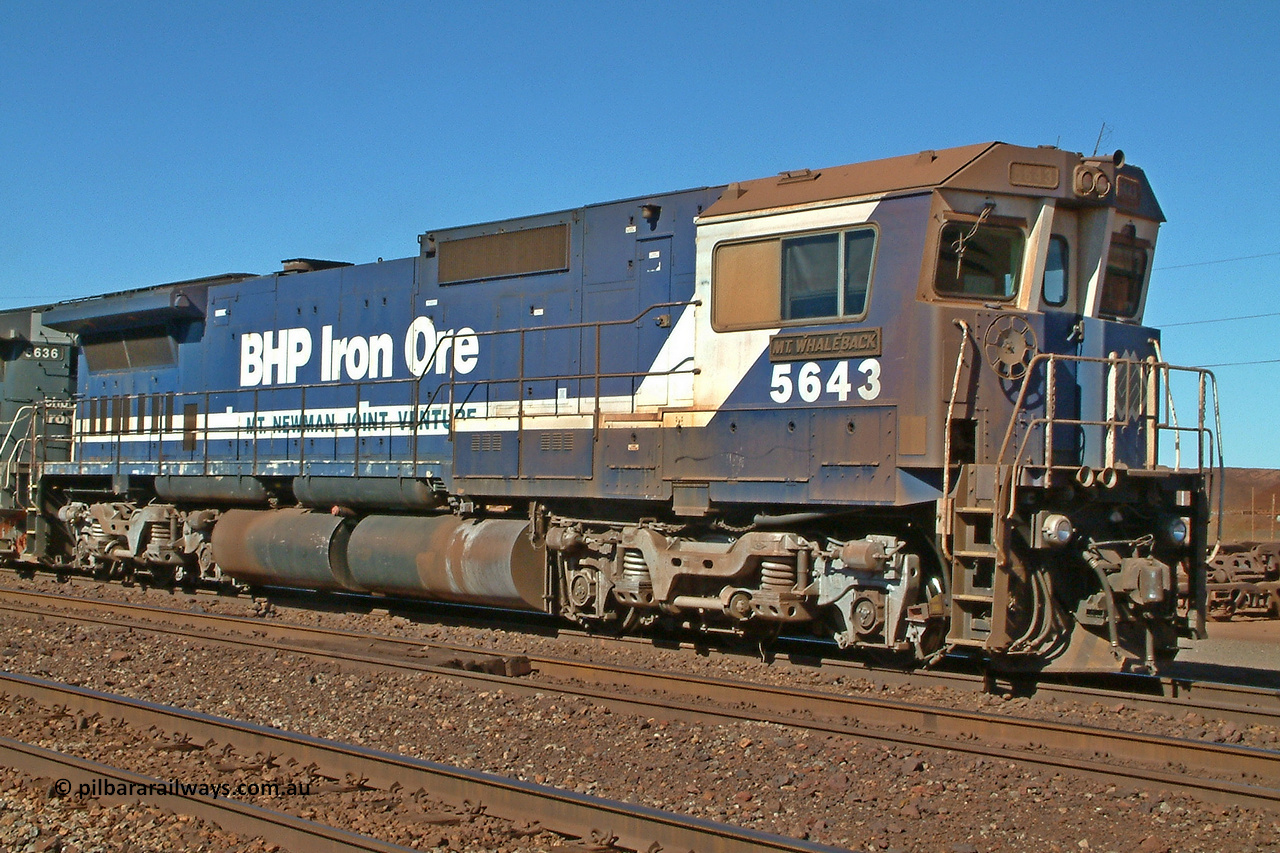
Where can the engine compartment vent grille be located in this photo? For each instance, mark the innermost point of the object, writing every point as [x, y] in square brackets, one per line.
[554, 441]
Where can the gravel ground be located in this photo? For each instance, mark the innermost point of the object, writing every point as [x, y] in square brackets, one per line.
[408, 818]
[836, 790]
[32, 821]
[1252, 642]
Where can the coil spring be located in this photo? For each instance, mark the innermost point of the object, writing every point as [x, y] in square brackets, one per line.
[634, 567]
[778, 574]
[158, 533]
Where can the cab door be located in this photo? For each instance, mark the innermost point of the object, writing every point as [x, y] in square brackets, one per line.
[653, 259]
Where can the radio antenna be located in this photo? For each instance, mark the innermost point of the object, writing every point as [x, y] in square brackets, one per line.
[1098, 144]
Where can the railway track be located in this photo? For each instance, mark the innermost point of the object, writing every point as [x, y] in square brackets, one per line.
[1237, 703]
[604, 823]
[1211, 771]
[1240, 703]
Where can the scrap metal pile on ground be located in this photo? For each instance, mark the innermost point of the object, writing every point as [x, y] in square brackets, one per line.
[1244, 580]
[1244, 572]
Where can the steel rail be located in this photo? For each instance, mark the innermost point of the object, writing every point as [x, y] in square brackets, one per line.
[1081, 749]
[276, 827]
[1238, 701]
[1240, 704]
[564, 812]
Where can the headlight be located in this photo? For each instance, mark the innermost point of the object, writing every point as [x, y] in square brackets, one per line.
[1056, 530]
[1177, 531]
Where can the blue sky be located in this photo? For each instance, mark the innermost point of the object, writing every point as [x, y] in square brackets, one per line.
[150, 142]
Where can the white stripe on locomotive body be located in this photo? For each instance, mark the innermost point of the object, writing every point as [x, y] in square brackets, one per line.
[369, 421]
[677, 353]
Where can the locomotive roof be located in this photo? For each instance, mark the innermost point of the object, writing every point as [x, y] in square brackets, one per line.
[141, 306]
[985, 167]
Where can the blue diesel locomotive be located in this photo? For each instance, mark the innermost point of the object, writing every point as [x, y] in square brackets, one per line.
[906, 404]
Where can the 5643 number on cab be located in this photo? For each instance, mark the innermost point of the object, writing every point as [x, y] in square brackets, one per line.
[810, 383]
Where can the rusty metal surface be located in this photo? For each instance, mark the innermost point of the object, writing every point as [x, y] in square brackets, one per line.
[565, 812]
[1244, 580]
[504, 253]
[913, 171]
[993, 167]
[284, 547]
[490, 562]
[276, 827]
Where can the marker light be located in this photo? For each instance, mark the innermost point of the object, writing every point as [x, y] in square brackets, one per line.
[1176, 530]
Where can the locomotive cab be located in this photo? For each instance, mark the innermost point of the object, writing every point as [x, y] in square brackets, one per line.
[1065, 525]
[1003, 382]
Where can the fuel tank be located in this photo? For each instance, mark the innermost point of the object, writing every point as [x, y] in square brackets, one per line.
[488, 562]
[284, 547]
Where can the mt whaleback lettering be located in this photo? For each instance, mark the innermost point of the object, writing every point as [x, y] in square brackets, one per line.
[809, 345]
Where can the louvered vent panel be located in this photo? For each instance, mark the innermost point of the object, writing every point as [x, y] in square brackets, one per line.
[553, 441]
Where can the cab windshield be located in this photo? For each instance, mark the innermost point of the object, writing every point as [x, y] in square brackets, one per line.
[979, 261]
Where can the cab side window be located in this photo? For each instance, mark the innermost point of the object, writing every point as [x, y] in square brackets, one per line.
[810, 266]
[807, 277]
[1054, 289]
[1126, 273]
